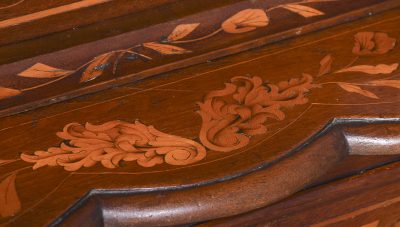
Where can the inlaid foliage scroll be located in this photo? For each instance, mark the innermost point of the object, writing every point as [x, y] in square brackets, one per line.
[243, 21]
[116, 141]
[231, 117]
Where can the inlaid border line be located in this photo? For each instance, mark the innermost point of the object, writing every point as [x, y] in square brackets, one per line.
[50, 12]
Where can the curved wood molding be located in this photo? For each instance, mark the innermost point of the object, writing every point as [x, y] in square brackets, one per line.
[379, 141]
[232, 196]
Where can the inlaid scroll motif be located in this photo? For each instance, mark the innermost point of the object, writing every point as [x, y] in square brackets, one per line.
[116, 141]
[237, 112]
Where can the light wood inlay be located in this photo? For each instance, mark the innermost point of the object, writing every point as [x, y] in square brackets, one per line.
[357, 212]
[50, 12]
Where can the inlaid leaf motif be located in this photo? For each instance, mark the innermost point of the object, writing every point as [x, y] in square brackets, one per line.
[371, 69]
[8, 92]
[9, 200]
[40, 70]
[96, 68]
[325, 65]
[245, 21]
[304, 11]
[166, 48]
[182, 31]
[386, 83]
[116, 62]
[373, 224]
[358, 90]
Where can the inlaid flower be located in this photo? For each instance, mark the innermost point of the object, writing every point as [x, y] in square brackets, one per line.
[245, 21]
[372, 43]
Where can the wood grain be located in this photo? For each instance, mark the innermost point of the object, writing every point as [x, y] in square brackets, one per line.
[43, 93]
[50, 12]
[348, 202]
[307, 143]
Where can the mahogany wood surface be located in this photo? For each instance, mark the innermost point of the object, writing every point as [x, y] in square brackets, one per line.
[221, 142]
[112, 41]
[370, 199]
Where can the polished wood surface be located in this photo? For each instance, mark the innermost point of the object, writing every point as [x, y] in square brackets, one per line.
[370, 199]
[218, 142]
[131, 48]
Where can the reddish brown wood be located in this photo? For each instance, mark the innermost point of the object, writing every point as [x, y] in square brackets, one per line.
[217, 139]
[371, 198]
[33, 92]
[22, 19]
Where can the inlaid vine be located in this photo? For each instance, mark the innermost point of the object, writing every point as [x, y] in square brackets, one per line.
[243, 21]
[366, 44]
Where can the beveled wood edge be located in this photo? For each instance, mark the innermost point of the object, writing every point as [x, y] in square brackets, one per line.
[226, 197]
[323, 24]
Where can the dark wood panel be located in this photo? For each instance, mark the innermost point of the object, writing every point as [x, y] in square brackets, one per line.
[15, 8]
[212, 140]
[142, 53]
[23, 19]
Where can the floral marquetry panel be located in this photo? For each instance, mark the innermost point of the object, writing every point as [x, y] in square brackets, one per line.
[210, 143]
[69, 63]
